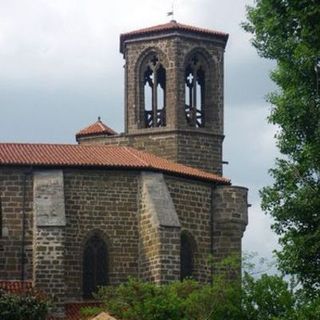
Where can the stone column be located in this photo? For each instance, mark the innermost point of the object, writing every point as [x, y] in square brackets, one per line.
[49, 237]
[230, 218]
[159, 231]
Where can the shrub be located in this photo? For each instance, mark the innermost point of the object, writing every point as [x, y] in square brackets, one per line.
[26, 306]
[137, 300]
[269, 297]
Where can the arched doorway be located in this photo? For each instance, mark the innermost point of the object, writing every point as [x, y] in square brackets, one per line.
[186, 256]
[95, 265]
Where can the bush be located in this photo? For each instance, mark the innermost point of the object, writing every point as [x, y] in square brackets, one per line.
[269, 297]
[26, 306]
[266, 298]
[137, 300]
[186, 300]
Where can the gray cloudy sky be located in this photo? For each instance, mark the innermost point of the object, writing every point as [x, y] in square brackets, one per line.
[60, 68]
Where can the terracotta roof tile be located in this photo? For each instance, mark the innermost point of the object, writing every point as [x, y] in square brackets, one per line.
[15, 286]
[69, 155]
[97, 128]
[170, 26]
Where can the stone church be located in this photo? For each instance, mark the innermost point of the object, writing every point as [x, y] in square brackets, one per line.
[151, 202]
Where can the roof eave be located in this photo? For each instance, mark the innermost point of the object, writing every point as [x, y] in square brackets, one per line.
[117, 167]
[221, 39]
[97, 134]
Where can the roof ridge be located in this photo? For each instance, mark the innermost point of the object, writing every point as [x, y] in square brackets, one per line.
[87, 127]
[102, 125]
[130, 150]
[96, 128]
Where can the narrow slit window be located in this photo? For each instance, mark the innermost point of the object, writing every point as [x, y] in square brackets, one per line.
[186, 256]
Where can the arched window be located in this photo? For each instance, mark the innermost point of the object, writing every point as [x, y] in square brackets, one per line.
[195, 92]
[186, 256]
[95, 265]
[154, 81]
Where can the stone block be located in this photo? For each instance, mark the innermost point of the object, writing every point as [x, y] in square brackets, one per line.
[49, 209]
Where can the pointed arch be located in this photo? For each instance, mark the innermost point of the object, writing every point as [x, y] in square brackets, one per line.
[197, 76]
[152, 88]
[95, 263]
[187, 255]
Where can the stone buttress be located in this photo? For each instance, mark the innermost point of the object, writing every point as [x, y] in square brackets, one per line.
[159, 231]
[49, 236]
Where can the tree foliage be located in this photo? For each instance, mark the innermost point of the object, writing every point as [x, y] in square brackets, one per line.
[268, 297]
[288, 31]
[30, 305]
[264, 298]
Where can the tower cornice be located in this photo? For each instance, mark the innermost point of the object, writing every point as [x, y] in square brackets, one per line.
[170, 29]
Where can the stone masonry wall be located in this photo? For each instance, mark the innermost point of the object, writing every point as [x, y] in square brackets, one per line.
[149, 246]
[177, 141]
[159, 229]
[103, 201]
[12, 181]
[230, 219]
[131, 214]
[201, 151]
[192, 201]
[49, 267]
[174, 53]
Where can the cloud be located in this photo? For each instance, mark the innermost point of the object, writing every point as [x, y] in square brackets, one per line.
[55, 39]
[249, 142]
[259, 237]
[250, 149]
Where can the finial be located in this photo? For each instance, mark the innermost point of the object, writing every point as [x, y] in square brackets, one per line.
[171, 13]
[99, 118]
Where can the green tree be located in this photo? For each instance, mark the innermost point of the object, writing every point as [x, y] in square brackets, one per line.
[288, 31]
[264, 298]
[30, 305]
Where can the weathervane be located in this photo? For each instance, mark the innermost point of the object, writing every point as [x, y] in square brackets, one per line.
[171, 13]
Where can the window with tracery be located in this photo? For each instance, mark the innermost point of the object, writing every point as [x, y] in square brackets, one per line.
[195, 92]
[154, 81]
[95, 265]
[186, 256]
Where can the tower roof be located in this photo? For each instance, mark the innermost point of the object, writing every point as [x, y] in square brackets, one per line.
[95, 129]
[168, 28]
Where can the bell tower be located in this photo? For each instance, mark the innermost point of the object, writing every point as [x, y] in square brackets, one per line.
[174, 92]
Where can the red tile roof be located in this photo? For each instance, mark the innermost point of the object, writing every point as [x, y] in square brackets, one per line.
[97, 128]
[69, 155]
[169, 27]
[15, 286]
